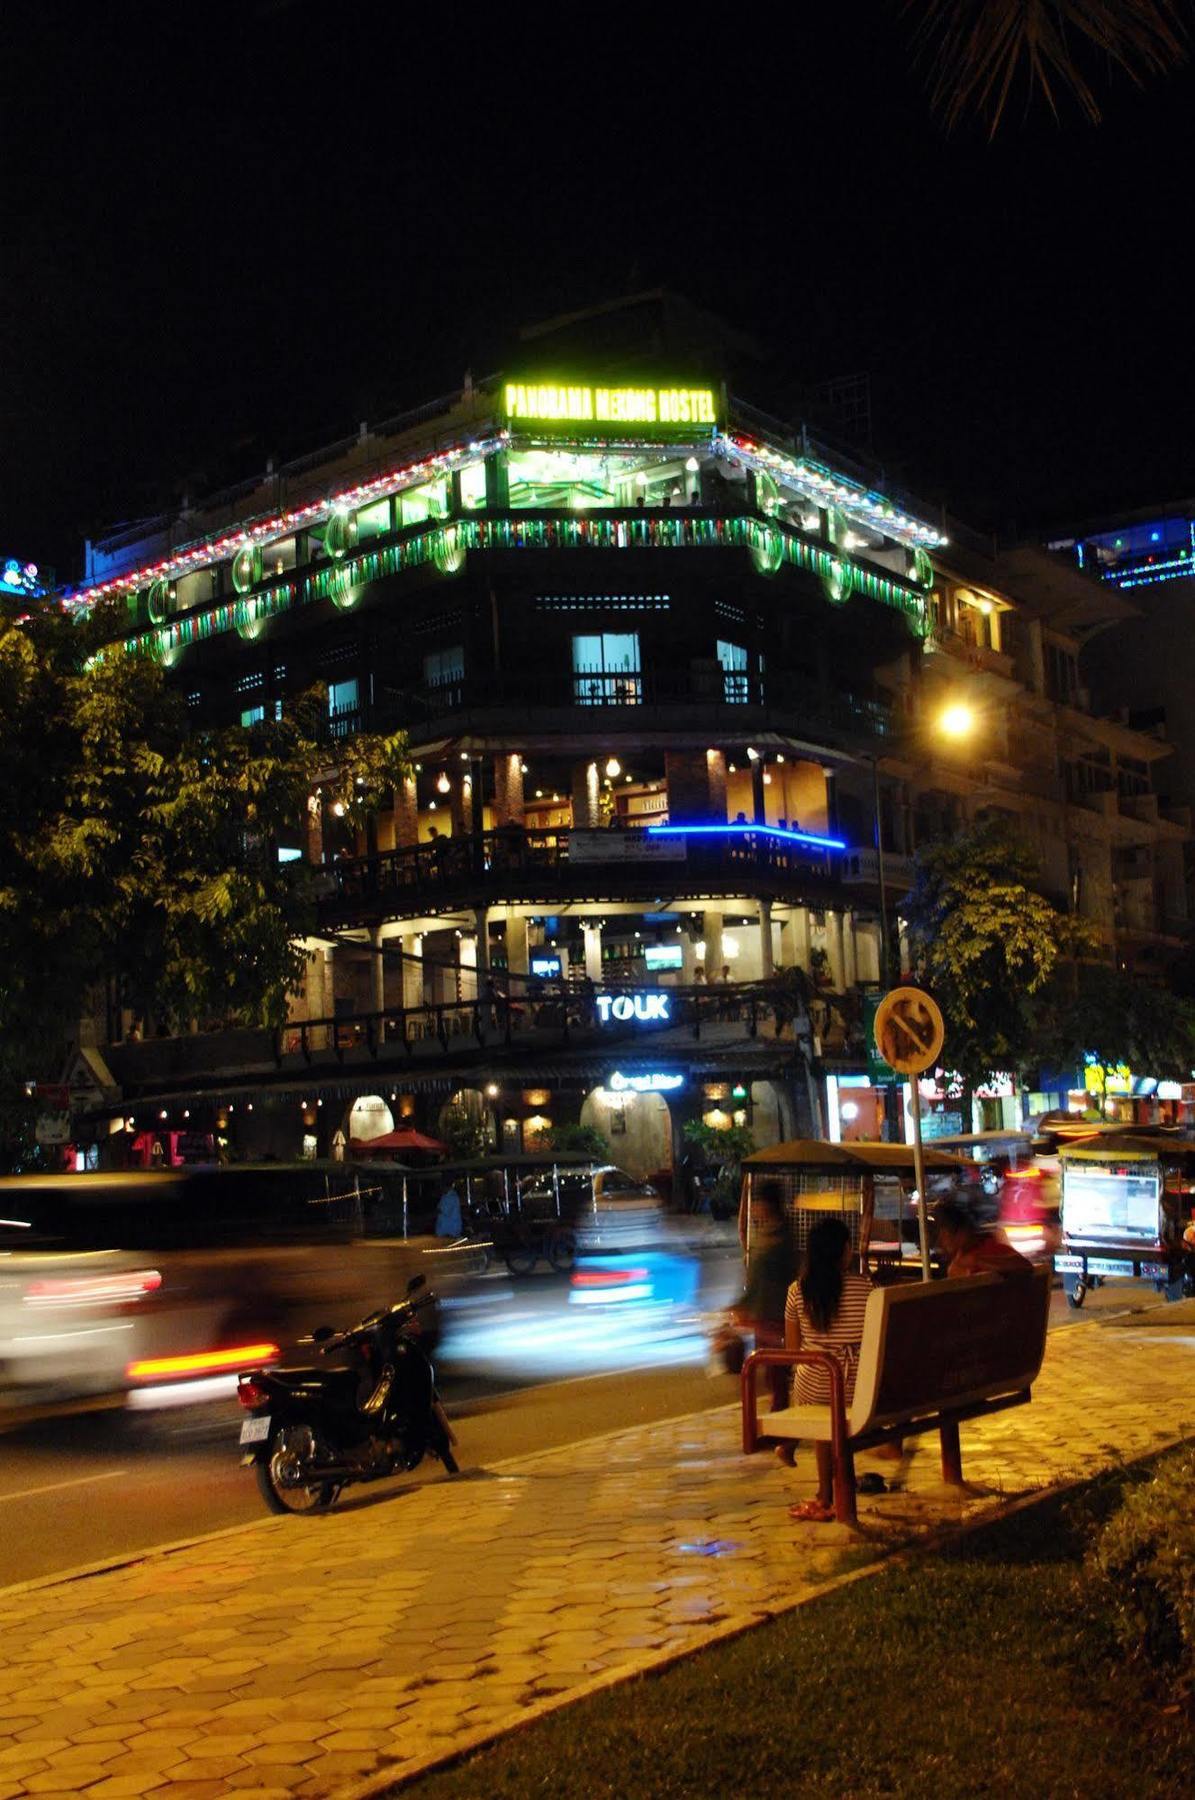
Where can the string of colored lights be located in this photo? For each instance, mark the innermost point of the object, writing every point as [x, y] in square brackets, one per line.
[1175, 568]
[816, 481]
[446, 544]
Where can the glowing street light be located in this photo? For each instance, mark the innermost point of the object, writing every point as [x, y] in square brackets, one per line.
[957, 721]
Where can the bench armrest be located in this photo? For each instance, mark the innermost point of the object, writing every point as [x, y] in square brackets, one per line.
[819, 1359]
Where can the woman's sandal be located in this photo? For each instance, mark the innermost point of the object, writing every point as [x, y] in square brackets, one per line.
[813, 1511]
[787, 1454]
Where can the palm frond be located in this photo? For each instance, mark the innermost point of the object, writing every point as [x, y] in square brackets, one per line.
[976, 51]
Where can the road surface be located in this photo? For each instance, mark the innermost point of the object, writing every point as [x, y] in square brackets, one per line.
[527, 1373]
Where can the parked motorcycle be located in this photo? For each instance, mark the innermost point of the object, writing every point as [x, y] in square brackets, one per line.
[316, 1429]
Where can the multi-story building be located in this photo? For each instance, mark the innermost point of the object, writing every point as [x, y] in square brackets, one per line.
[670, 673]
[1144, 666]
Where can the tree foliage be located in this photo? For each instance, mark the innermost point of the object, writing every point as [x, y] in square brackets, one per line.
[138, 854]
[985, 941]
[1112, 1016]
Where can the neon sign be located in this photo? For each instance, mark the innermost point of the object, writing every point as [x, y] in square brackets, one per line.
[562, 403]
[646, 1009]
[739, 829]
[656, 1083]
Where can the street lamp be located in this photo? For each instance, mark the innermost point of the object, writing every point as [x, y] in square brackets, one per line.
[956, 721]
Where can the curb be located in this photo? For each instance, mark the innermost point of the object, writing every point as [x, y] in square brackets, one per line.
[379, 1784]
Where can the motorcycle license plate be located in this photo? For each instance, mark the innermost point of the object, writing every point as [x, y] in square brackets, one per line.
[255, 1431]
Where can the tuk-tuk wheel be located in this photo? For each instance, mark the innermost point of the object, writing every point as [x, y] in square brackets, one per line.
[1173, 1290]
[1076, 1295]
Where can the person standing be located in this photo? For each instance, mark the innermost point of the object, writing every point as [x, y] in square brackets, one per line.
[769, 1271]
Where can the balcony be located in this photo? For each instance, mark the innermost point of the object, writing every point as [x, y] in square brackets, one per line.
[728, 1025]
[703, 696]
[557, 866]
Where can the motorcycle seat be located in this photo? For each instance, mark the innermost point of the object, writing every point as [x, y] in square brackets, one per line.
[301, 1374]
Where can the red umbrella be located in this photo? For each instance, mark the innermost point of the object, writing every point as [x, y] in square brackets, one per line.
[407, 1139]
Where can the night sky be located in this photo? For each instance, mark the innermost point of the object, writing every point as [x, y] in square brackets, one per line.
[230, 231]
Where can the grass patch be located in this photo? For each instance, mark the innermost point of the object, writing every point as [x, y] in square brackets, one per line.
[981, 1669]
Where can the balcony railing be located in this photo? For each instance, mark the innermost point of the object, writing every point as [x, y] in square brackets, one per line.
[785, 700]
[559, 864]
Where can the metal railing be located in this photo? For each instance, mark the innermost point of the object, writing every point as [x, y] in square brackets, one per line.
[512, 861]
[553, 1016]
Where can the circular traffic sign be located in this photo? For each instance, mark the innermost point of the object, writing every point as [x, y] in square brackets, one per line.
[909, 1030]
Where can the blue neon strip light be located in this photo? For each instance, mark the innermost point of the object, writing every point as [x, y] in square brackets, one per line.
[737, 830]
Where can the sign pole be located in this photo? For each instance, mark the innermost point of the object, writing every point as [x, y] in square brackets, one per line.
[909, 1032]
[919, 1177]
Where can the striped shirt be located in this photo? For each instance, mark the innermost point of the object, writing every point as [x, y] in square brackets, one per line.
[811, 1386]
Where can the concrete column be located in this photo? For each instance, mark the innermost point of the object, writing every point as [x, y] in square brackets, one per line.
[482, 921]
[585, 789]
[508, 789]
[906, 957]
[711, 933]
[767, 962]
[796, 945]
[516, 945]
[412, 972]
[377, 972]
[686, 776]
[715, 764]
[593, 952]
[315, 830]
[831, 802]
[457, 799]
[406, 814]
[466, 967]
[834, 949]
[850, 958]
[328, 1001]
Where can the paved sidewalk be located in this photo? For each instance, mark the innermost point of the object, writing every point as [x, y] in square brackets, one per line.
[303, 1656]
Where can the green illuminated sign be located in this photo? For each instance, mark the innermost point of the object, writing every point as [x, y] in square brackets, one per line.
[562, 403]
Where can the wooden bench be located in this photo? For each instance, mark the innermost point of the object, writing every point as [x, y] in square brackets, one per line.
[933, 1354]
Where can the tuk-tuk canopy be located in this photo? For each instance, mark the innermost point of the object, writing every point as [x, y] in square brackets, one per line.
[875, 1159]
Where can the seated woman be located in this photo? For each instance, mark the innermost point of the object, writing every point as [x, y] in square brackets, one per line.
[824, 1311]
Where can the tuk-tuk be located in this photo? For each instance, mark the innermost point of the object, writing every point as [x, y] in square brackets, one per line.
[1126, 1205]
[869, 1186]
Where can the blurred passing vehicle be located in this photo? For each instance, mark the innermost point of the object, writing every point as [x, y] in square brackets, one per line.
[628, 1253]
[163, 1286]
[1013, 1184]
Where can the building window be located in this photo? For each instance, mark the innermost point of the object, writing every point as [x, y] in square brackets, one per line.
[344, 707]
[441, 668]
[733, 660]
[253, 715]
[473, 486]
[429, 501]
[374, 521]
[606, 669]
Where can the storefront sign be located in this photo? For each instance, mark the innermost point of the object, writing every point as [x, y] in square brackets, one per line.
[1116, 1078]
[629, 846]
[655, 1083]
[559, 403]
[646, 1009]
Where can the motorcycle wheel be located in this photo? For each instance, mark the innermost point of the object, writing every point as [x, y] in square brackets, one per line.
[441, 1443]
[282, 1497]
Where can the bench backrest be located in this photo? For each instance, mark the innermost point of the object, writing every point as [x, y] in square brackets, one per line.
[932, 1345]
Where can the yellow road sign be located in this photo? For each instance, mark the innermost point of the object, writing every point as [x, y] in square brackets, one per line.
[909, 1030]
